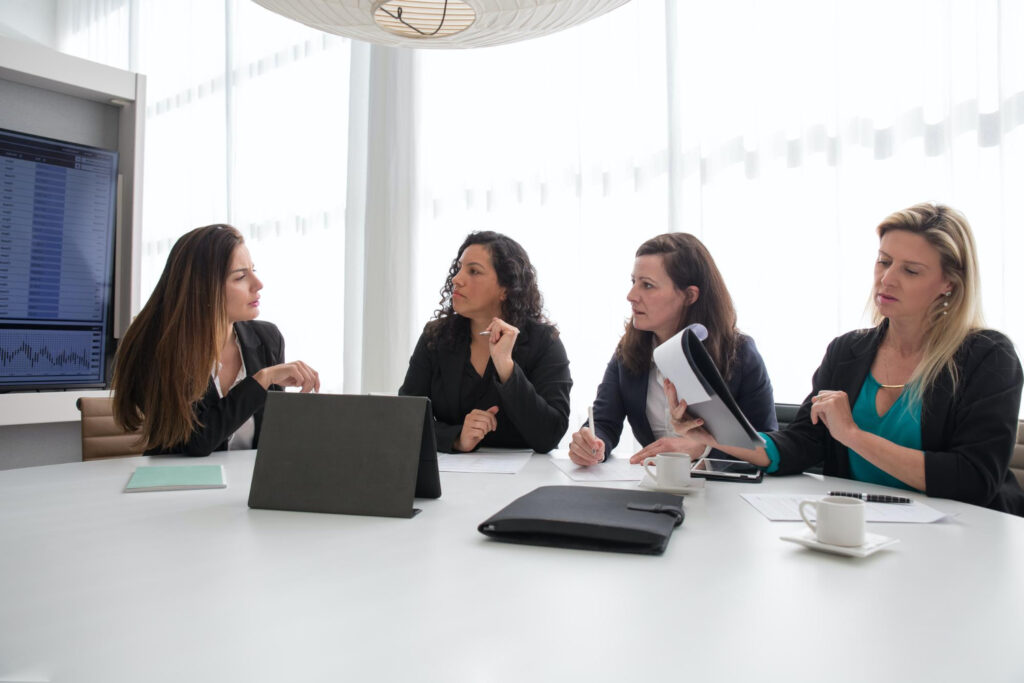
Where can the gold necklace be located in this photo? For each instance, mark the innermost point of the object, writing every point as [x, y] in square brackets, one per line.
[888, 368]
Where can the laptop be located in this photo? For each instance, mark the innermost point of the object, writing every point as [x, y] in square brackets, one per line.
[345, 454]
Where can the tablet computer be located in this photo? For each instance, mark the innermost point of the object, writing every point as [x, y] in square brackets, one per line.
[727, 470]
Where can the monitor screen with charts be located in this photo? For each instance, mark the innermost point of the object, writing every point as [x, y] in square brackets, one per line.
[56, 262]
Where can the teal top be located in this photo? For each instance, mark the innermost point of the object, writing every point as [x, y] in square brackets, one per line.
[901, 424]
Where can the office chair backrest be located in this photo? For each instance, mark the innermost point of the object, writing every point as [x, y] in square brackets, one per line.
[1017, 461]
[101, 437]
[785, 413]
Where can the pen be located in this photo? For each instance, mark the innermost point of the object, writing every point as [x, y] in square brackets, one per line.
[590, 420]
[484, 332]
[872, 497]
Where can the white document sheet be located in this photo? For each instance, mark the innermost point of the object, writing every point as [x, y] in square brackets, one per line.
[613, 469]
[671, 360]
[781, 507]
[490, 460]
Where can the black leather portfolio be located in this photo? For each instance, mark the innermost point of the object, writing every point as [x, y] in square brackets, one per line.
[589, 518]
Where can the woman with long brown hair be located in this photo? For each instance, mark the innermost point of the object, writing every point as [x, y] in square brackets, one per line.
[675, 283]
[927, 399]
[491, 364]
[194, 367]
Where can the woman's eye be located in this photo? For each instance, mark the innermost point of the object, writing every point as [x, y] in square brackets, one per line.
[910, 272]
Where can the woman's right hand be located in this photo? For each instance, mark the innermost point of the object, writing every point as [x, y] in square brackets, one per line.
[476, 425]
[294, 374]
[685, 424]
[585, 448]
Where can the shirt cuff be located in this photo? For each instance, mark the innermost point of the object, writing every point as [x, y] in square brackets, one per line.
[773, 453]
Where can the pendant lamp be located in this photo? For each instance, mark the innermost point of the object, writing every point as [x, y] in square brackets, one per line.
[441, 23]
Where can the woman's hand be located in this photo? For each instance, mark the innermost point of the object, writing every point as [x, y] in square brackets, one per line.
[585, 449]
[833, 409]
[679, 444]
[502, 339]
[476, 425]
[294, 374]
[685, 425]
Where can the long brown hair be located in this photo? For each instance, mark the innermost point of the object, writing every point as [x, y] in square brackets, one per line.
[688, 263]
[951, 318]
[164, 360]
[523, 301]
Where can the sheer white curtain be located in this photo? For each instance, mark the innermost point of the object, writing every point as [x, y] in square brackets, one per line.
[780, 133]
[800, 125]
[561, 143]
[247, 122]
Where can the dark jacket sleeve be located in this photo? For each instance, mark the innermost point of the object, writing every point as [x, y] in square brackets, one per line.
[752, 388]
[536, 398]
[801, 444]
[967, 449]
[218, 418]
[609, 407]
[418, 382]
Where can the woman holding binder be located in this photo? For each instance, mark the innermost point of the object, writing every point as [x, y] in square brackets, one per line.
[194, 368]
[675, 283]
[926, 400]
[492, 366]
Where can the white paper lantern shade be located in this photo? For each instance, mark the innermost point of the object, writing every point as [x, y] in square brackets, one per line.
[424, 19]
[441, 23]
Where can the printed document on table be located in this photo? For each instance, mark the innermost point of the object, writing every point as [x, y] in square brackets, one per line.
[612, 469]
[782, 507]
[489, 460]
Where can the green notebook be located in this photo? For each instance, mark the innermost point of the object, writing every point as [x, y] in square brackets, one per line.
[176, 478]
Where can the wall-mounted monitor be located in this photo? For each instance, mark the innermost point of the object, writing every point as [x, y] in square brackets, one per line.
[57, 230]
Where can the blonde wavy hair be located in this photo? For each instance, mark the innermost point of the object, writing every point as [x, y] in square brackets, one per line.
[950, 318]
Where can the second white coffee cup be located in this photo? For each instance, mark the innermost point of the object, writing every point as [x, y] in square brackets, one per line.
[671, 470]
[839, 520]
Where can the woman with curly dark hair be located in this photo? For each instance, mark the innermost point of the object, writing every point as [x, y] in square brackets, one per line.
[490, 362]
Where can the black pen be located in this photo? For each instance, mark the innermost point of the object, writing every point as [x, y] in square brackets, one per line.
[871, 497]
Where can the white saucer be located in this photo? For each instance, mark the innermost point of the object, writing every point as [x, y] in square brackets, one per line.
[872, 544]
[694, 486]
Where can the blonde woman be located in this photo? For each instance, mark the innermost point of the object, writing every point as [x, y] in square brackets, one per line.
[928, 399]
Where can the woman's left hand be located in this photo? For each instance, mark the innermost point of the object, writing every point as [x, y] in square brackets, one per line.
[502, 339]
[668, 444]
[833, 409]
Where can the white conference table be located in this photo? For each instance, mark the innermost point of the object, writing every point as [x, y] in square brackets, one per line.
[98, 585]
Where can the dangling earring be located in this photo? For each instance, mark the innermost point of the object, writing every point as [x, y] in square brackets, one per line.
[945, 303]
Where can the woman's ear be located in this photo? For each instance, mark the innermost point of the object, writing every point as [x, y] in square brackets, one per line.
[692, 294]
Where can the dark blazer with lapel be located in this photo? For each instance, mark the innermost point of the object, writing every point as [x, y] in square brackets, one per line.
[533, 409]
[262, 346]
[967, 436]
[623, 394]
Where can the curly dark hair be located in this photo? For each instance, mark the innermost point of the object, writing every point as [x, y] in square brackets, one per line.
[523, 301]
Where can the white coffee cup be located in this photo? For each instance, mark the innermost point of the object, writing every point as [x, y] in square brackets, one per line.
[673, 470]
[839, 520]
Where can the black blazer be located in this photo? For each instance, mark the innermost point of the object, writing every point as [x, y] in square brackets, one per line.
[533, 407]
[219, 418]
[967, 436]
[623, 394]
